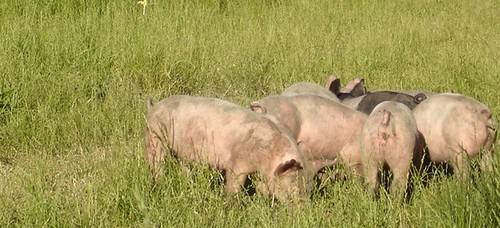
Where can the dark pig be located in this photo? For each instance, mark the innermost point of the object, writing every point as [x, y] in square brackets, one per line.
[370, 100]
[356, 96]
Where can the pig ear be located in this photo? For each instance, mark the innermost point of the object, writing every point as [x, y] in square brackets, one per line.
[359, 89]
[419, 98]
[287, 166]
[333, 84]
[257, 107]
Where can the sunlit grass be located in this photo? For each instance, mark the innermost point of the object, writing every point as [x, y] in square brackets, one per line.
[74, 76]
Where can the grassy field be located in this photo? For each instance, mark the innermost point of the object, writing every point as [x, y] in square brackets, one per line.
[74, 76]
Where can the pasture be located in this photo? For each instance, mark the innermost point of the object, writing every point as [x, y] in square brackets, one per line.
[74, 77]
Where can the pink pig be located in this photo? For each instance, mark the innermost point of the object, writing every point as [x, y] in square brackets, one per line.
[229, 138]
[455, 128]
[327, 129]
[389, 138]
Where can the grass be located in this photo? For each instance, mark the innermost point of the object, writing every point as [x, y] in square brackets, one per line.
[75, 76]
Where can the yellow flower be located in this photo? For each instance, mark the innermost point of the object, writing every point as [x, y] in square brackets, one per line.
[144, 3]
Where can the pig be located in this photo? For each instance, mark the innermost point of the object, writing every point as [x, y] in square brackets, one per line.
[455, 128]
[329, 129]
[309, 88]
[228, 138]
[370, 100]
[356, 88]
[389, 138]
[356, 96]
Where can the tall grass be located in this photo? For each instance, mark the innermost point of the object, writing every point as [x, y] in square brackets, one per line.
[75, 75]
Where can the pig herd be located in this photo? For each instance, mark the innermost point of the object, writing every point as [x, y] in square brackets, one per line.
[288, 138]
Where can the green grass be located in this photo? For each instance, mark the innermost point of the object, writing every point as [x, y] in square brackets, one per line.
[74, 76]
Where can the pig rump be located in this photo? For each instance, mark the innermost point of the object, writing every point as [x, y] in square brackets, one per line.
[457, 128]
[389, 140]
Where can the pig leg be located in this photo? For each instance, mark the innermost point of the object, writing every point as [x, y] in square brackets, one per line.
[155, 154]
[372, 181]
[316, 165]
[400, 178]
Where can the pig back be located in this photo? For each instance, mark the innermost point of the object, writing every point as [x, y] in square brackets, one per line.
[329, 128]
[198, 128]
[368, 103]
[311, 89]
